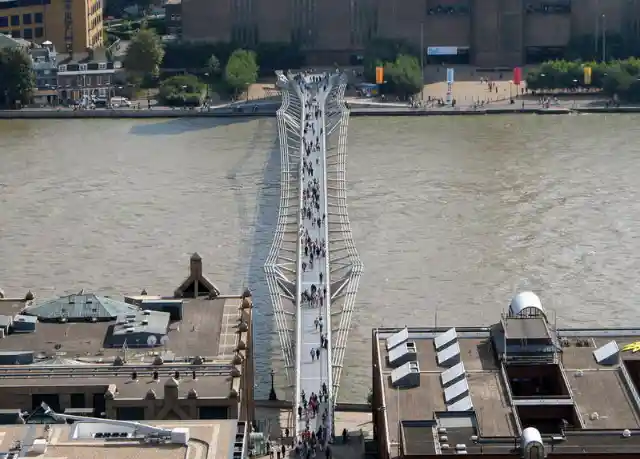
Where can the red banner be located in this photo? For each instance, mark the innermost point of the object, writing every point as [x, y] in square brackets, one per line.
[517, 76]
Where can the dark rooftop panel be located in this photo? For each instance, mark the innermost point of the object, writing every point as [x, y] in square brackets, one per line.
[526, 328]
[419, 438]
[81, 307]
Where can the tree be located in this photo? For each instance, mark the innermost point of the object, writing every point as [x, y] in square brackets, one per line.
[241, 70]
[144, 54]
[404, 76]
[16, 77]
[182, 90]
[213, 66]
[382, 50]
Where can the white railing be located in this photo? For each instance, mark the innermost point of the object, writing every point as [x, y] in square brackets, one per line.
[327, 275]
[299, 249]
[345, 226]
[291, 122]
[271, 265]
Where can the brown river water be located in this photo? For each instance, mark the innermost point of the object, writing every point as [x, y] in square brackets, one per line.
[450, 214]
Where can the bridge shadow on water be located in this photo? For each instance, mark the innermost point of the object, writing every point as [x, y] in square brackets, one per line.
[176, 126]
[257, 236]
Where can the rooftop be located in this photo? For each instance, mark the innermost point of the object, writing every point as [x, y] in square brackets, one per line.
[201, 332]
[492, 382]
[193, 341]
[207, 439]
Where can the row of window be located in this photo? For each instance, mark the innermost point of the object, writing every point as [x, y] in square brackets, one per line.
[27, 19]
[83, 67]
[28, 34]
[81, 81]
[8, 5]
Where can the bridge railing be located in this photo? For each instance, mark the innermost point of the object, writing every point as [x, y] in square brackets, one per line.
[271, 265]
[348, 308]
[293, 85]
[327, 309]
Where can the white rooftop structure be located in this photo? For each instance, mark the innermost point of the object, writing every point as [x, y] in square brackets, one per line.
[444, 339]
[526, 304]
[452, 374]
[454, 392]
[449, 355]
[397, 338]
[464, 404]
[607, 354]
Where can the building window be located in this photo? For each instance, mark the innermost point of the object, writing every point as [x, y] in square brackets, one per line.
[15, 20]
[62, 68]
[4, 21]
[39, 32]
[38, 18]
[132, 413]
[27, 33]
[15, 34]
[102, 66]
[26, 19]
[77, 401]
[83, 67]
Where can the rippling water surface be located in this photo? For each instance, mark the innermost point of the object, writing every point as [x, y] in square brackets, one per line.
[450, 214]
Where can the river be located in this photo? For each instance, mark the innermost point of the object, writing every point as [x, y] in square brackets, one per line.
[450, 215]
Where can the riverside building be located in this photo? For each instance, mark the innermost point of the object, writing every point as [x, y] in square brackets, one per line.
[519, 388]
[186, 356]
[486, 33]
[71, 25]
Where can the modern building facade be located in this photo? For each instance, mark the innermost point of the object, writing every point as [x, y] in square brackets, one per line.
[173, 17]
[488, 33]
[71, 25]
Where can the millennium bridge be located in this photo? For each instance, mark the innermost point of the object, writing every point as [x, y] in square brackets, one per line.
[313, 269]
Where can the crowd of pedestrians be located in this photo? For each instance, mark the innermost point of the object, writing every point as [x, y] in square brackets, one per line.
[314, 409]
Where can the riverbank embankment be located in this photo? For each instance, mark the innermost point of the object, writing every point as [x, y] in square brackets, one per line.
[265, 113]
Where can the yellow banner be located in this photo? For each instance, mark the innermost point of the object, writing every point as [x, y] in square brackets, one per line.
[587, 75]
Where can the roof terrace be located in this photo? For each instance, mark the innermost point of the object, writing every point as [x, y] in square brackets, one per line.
[481, 389]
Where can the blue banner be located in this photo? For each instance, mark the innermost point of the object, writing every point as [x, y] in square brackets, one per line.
[450, 74]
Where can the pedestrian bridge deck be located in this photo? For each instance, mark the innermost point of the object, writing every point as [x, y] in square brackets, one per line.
[314, 304]
[313, 269]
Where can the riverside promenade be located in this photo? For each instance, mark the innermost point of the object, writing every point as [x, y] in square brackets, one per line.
[313, 269]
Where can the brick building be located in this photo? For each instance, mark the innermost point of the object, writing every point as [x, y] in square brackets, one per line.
[486, 33]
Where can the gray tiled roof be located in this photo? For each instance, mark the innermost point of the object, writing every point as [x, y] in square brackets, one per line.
[82, 306]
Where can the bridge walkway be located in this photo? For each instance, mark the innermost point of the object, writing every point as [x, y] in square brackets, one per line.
[314, 319]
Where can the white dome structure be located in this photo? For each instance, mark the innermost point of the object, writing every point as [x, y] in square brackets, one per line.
[526, 304]
[531, 444]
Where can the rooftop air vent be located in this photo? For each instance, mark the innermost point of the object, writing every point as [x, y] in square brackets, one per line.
[407, 376]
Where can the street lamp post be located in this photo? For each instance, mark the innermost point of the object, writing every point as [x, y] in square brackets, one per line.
[421, 61]
[272, 392]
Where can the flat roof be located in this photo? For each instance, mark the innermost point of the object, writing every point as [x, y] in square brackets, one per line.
[206, 330]
[208, 439]
[209, 383]
[605, 398]
[526, 328]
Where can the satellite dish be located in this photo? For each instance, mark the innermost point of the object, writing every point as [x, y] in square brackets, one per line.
[152, 340]
[164, 340]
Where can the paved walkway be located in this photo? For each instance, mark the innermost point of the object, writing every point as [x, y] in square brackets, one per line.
[313, 317]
